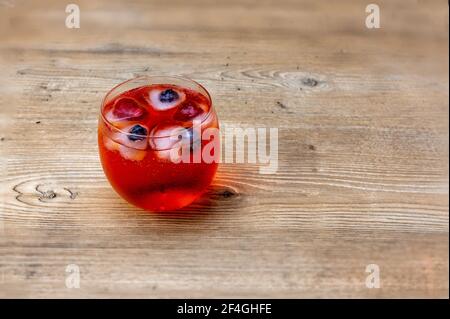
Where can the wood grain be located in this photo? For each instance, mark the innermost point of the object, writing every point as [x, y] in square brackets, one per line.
[363, 150]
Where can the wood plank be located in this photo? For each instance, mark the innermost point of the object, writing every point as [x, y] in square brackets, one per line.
[363, 150]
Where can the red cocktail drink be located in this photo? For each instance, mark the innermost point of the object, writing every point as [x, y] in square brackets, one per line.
[158, 141]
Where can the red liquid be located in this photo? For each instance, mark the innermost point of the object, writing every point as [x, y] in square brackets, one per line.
[139, 167]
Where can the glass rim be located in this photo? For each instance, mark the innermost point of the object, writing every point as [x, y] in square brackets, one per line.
[176, 132]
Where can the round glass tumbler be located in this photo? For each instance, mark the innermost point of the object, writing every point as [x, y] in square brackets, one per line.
[159, 141]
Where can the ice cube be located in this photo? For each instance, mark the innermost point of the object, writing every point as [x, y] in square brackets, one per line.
[167, 155]
[189, 111]
[125, 151]
[174, 143]
[110, 144]
[124, 109]
[166, 99]
[164, 137]
[132, 153]
[132, 136]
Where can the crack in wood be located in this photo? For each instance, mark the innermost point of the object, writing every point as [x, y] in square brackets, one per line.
[72, 194]
[311, 82]
[110, 48]
[19, 193]
[50, 194]
[43, 195]
[281, 105]
[227, 193]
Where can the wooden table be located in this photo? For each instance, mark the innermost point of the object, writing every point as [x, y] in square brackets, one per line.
[363, 150]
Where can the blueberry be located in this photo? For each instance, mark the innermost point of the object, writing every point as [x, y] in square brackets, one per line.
[137, 133]
[168, 96]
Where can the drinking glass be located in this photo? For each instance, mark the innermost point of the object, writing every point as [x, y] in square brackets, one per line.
[158, 141]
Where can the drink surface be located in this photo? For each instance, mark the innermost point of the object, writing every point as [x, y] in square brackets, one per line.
[141, 133]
